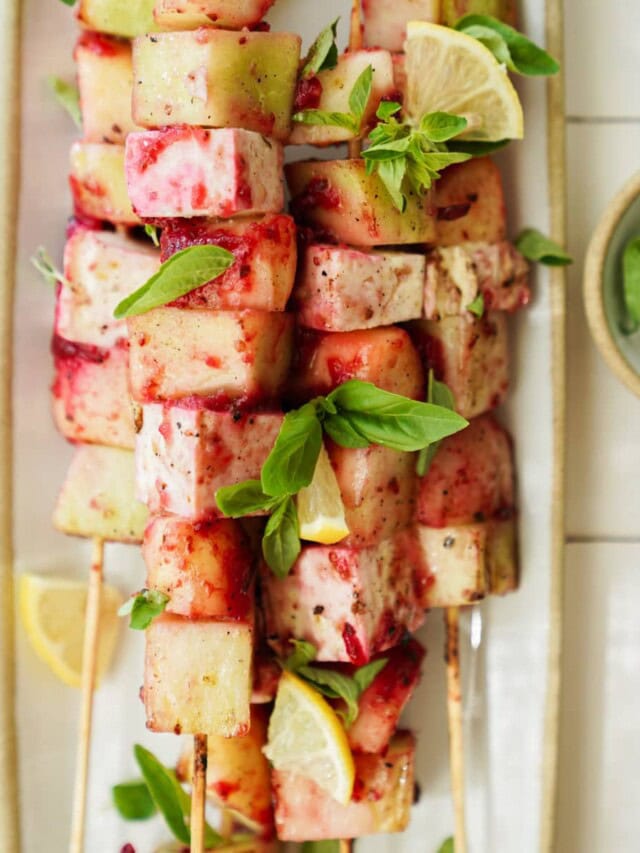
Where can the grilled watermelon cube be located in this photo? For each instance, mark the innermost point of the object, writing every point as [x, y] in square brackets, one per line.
[191, 14]
[470, 207]
[385, 21]
[98, 183]
[117, 17]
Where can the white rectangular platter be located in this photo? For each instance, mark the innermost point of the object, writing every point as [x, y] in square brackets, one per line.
[511, 697]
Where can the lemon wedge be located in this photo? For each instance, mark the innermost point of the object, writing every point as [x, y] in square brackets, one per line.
[306, 738]
[52, 610]
[320, 506]
[452, 72]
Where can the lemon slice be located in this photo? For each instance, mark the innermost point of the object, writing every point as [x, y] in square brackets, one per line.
[452, 72]
[53, 610]
[306, 738]
[320, 506]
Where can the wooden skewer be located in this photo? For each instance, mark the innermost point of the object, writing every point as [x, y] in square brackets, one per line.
[454, 711]
[198, 793]
[226, 824]
[345, 847]
[89, 658]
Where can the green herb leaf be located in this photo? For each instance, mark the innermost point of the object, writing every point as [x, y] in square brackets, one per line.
[180, 274]
[244, 498]
[360, 94]
[439, 127]
[391, 420]
[440, 395]
[364, 675]
[281, 540]
[477, 149]
[321, 847]
[525, 57]
[493, 41]
[334, 685]
[152, 232]
[386, 109]
[476, 307]
[323, 53]
[631, 284]
[391, 172]
[302, 655]
[68, 2]
[292, 461]
[67, 96]
[340, 430]
[47, 269]
[447, 846]
[133, 800]
[345, 120]
[536, 247]
[144, 607]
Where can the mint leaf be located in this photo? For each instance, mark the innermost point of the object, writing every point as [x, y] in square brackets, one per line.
[321, 847]
[524, 57]
[447, 846]
[386, 109]
[144, 607]
[440, 395]
[47, 269]
[281, 540]
[631, 284]
[292, 461]
[361, 92]
[345, 120]
[133, 800]
[67, 96]
[152, 232]
[364, 675]
[302, 655]
[243, 499]
[323, 53]
[439, 126]
[536, 247]
[476, 307]
[180, 274]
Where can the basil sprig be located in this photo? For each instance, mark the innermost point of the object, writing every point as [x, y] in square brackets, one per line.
[323, 53]
[355, 414]
[330, 682]
[47, 269]
[534, 246]
[476, 306]
[358, 100]
[133, 800]
[439, 394]
[511, 48]
[631, 285]
[180, 274]
[407, 157]
[143, 607]
[67, 95]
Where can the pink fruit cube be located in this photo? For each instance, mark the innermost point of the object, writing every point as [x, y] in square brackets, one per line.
[185, 454]
[232, 14]
[340, 289]
[469, 200]
[206, 569]
[98, 184]
[188, 171]
[265, 266]
[385, 21]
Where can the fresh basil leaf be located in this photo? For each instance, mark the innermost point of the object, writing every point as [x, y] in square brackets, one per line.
[152, 232]
[392, 420]
[335, 685]
[440, 395]
[525, 56]
[323, 53]
[144, 607]
[391, 173]
[47, 269]
[494, 42]
[342, 432]
[180, 274]
[476, 307]
[281, 540]
[321, 847]
[302, 655]
[386, 109]
[133, 800]
[292, 461]
[426, 457]
[68, 2]
[439, 126]
[631, 284]
[536, 247]
[243, 499]
[447, 846]
[345, 120]
[477, 149]
[364, 675]
[360, 94]
[68, 96]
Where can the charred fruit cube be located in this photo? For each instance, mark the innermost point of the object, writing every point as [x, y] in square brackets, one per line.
[337, 196]
[216, 78]
[330, 92]
[117, 17]
[377, 485]
[101, 268]
[238, 775]
[105, 82]
[469, 201]
[240, 356]
[90, 394]
[470, 355]
[341, 289]
[184, 455]
[383, 356]
[382, 703]
[381, 802]
[385, 21]
[205, 569]
[350, 603]
[191, 14]
[502, 556]
[98, 496]
[198, 676]
[188, 171]
[453, 10]
[456, 275]
[470, 479]
[98, 183]
[265, 266]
